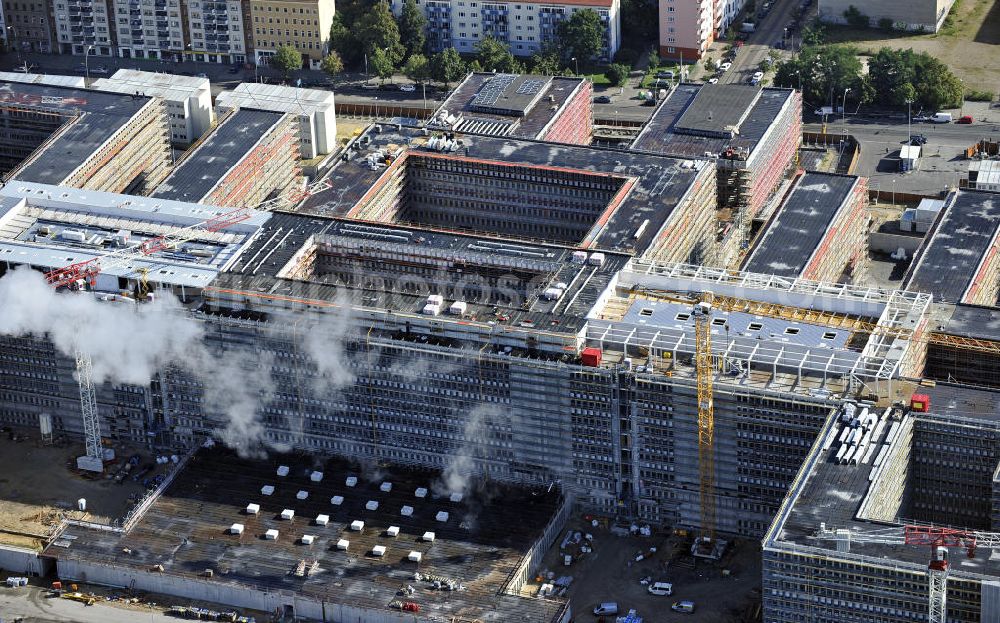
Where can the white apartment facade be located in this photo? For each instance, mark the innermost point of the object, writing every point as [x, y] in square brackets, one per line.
[84, 26]
[525, 26]
[149, 28]
[217, 31]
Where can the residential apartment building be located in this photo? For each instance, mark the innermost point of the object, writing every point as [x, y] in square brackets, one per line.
[27, 25]
[925, 15]
[217, 31]
[688, 27]
[3, 30]
[525, 26]
[84, 25]
[149, 28]
[302, 24]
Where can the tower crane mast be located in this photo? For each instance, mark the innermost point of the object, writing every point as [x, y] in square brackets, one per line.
[706, 416]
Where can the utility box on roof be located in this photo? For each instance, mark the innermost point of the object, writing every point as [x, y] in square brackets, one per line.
[920, 403]
[591, 357]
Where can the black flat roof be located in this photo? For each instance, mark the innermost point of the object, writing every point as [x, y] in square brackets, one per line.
[974, 321]
[99, 114]
[479, 545]
[718, 110]
[951, 257]
[800, 224]
[229, 143]
[661, 134]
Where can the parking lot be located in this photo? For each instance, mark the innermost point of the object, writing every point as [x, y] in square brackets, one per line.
[725, 591]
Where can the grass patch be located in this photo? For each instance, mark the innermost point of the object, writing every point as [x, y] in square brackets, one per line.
[598, 78]
[978, 96]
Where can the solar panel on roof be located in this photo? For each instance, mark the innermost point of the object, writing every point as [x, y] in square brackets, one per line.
[530, 87]
[493, 89]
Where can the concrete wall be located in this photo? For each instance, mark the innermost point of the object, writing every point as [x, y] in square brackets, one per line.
[21, 561]
[912, 15]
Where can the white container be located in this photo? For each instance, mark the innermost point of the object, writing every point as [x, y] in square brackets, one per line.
[393, 531]
[343, 544]
[271, 535]
[371, 505]
[458, 308]
[406, 511]
[352, 481]
[428, 536]
[414, 556]
[421, 492]
[337, 500]
[267, 490]
[455, 497]
[288, 514]
[302, 495]
[73, 234]
[435, 299]
[441, 516]
[552, 294]
[431, 309]
[282, 470]
[307, 539]
[596, 259]
[579, 257]
[236, 528]
[316, 476]
[378, 550]
[357, 525]
[386, 487]
[252, 509]
[81, 504]
[322, 520]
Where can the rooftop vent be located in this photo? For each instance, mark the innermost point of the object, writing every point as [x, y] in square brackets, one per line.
[252, 509]
[414, 556]
[322, 520]
[307, 539]
[236, 528]
[267, 490]
[316, 476]
[288, 514]
[352, 481]
[357, 525]
[393, 531]
[421, 492]
[271, 535]
[378, 550]
[455, 497]
[386, 486]
[441, 516]
[406, 511]
[302, 495]
[343, 544]
[337, 500]
[428, 536]
[371, 505]
[282, 470]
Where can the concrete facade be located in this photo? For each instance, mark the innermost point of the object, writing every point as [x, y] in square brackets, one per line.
[27, 26]
[84, 27]
[925, 15]
[303, 24]
[188, 99]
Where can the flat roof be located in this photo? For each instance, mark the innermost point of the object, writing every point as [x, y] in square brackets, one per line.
[801, 223]
[173, 87]
[228, 144]
[276, 98]
[482, 542]
[51, 79]
[98, 116]
[520, 115]
[975, 321]
[718, 110]
[984, 171]
[661, 134]
[955, 248]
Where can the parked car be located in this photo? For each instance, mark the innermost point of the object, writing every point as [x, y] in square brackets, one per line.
[923, 118]
[201, 75]
[758, 75]
[683, 606]
[100, 69]
[918, 139]
[606, 607]
[369, 86]
[660, 588]
[407, 88]
[713, 80]
[602, 99]
[965, 119]
[669, 75]
[725, 66]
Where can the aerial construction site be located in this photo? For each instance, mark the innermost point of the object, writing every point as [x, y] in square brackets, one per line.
[385, 384]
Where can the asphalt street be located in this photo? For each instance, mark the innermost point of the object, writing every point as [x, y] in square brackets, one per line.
[31, 603]
[756, 48]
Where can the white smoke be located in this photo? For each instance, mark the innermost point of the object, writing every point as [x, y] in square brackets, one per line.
[323, 340]
[458, 474]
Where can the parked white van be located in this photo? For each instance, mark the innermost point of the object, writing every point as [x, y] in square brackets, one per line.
[941, 117]
[661, 588]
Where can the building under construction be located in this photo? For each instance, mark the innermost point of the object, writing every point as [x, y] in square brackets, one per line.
[751, 133]
[82, 138]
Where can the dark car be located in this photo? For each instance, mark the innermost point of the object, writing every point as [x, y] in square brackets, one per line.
[918, 139]
[602, 99]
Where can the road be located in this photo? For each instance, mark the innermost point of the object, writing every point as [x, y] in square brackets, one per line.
[30, 602]
[758, 45]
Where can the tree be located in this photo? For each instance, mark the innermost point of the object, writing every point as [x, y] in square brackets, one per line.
[824, 73]
[617, 74]
[447, 66]
[332, 64]
[342, 38]
[900, 75]
[377, 30]
[412, 24]
[582, 35]
[813, 35]
[936, 87]
[545, 63]
[381, 64]
[417, 68]
[887, 24]
[287, 59]
[494, 55]
[855, 18]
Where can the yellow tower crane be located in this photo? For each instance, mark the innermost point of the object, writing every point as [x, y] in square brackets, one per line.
[706, 416]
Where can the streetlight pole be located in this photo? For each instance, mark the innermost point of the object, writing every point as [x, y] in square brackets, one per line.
[367, 78]
[893, 191]
[15, 42]
[909, 117]
[86, 63]
[576, 64]
[843, 110]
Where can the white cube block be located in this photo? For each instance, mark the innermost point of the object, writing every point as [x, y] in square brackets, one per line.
[322, 520]
[421, 492]
[252, 509]
[386, 486]
[302, 495]
[351, 481]
[406, 511]
[282, 470]
[357, 525]
[288, 514]
[455, 497]
[307, 539]
[271, 535]
[393, 531]
[337, 500]
[428, 536]
[236, 528]
[343, 544]
[441, 516]
[267, 490]
[316, 476]
[414, 556]
[378, 550]
[371, 505]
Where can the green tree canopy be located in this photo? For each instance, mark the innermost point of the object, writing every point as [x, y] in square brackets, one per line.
[494, 55]
[287, 59]
[332, 64]
[381, 64]
[824, 73]
[900, 75]
[377, 30]
[412, 24]
[617, 74]
[545, 63]
[856, 18]
[582, 35]
[447, 66]
[417, 68]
